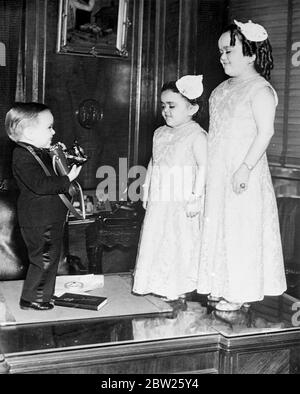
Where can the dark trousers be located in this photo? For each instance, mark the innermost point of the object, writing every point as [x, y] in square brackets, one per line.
[44, 246]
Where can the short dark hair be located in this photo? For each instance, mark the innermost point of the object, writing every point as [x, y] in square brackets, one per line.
[20, 112]
[171, 85]
[263, 50]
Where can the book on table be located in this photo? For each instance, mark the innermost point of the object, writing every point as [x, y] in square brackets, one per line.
[84, 301]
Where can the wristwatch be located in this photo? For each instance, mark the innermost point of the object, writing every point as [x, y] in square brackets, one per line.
[248, 166]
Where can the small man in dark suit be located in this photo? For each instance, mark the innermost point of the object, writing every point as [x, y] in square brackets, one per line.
[41, 212]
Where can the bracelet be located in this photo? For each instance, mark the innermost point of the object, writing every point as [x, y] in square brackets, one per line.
[250, 168]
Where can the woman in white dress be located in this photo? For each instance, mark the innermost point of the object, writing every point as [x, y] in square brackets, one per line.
[168, 255]
[241, 255]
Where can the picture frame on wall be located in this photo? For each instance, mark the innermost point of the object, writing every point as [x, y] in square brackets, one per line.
[97, 28]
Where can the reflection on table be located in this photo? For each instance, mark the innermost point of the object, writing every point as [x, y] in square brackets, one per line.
[193, 337]
[271, 314]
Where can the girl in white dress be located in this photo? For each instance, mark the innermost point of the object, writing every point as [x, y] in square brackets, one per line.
[241, 255]
[168, 255]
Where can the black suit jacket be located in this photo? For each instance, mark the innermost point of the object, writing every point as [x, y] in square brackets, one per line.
[38, 202]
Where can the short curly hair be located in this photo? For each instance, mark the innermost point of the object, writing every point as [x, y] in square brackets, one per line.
[262, 50]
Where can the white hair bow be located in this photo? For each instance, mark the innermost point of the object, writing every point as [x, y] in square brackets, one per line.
[252, 31]
[190, 86]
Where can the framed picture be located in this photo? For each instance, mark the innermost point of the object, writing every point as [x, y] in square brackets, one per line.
[93, 27]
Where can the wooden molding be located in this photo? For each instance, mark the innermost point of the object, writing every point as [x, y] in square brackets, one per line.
[35, 38]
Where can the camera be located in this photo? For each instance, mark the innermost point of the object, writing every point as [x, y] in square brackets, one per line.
[63, 159]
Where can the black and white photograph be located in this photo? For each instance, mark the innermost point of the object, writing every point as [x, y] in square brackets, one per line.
[149, 190]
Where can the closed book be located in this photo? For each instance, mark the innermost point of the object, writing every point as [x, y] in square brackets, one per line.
[83, 301]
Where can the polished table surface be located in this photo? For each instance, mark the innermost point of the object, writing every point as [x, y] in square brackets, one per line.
[274, 317]
[274, 314]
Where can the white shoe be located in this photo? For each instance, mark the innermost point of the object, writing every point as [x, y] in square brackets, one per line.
[228, 306]
[166, 299]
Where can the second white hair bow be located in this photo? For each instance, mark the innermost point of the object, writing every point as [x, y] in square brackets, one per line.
[252, 31]
[190, 86]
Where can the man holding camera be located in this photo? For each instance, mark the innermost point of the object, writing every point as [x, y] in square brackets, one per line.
[41, 212]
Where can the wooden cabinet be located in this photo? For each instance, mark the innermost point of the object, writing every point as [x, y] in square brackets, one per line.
[175, 356]
[191, 341]
[192, 355]
[76, 242]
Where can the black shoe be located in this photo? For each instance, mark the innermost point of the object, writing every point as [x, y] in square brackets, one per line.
[39, 306]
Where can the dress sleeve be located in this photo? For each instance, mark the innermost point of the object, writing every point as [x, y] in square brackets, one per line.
[275, 94]
[262, 85]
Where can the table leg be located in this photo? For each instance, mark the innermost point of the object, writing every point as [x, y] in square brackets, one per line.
[95, 259]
